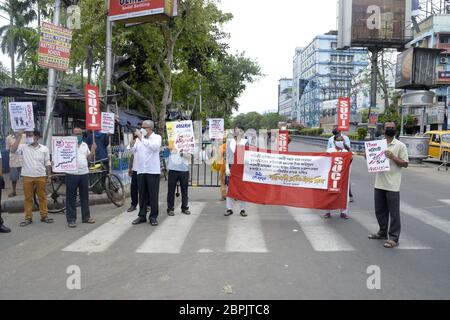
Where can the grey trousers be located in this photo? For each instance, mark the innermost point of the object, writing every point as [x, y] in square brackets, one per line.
[387, 210]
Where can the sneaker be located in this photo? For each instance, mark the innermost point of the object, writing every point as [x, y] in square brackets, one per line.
[326, 216]
[344, 216]
[244, 214]
[186, 212]
[154, 222]
[229, 213]
[170, 212]
[72, 225]
[4, 229]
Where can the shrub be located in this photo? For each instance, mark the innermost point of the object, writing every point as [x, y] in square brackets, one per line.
[362, 134]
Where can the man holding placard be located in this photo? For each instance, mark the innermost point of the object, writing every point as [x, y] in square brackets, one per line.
[387, 187]
[36, 171]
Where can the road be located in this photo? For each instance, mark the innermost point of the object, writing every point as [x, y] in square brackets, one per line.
[275, 253]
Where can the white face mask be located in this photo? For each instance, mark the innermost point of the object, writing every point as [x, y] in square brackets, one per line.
[339, 144]
[144, 132]
[29, 140]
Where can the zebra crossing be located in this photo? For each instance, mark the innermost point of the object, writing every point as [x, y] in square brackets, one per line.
[249, 235]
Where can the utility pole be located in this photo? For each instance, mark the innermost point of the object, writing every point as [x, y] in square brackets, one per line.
[373, 86]
[108, 72]
[51, 88]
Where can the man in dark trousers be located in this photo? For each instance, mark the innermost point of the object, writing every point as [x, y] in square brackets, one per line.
[3, 228]
[132, 172]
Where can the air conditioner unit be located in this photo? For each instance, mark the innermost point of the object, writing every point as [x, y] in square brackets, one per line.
[443, 60]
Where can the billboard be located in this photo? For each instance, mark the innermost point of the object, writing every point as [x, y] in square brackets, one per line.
[54, 47]
[140, 11]
[374, 23]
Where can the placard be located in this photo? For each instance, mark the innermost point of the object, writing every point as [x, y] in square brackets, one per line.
[376, 156]
[64, 154]
[22, 116]
[216, 129]
[181, 136]
[54, 47]
[93, 112]
[108, 122]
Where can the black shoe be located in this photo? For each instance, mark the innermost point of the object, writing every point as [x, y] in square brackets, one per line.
[154, 222]
[139, 221]
[171, 212]
[132, 209]
[229, 213]
[186, 212]
[4, 229]
[244, 214]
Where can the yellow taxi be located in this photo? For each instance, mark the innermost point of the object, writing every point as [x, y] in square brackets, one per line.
[439, 144]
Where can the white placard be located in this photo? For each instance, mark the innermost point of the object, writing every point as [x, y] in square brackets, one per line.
[310, 172]
[376, 156]
[216, 128]
[181, 136]
[108, 122]
[22, 116]
[64, 154]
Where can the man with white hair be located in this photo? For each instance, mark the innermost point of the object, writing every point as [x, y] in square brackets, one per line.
[146, 149]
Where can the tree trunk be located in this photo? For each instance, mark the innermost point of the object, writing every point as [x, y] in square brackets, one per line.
[149, 104]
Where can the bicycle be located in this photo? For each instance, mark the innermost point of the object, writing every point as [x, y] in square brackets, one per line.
[100, 180]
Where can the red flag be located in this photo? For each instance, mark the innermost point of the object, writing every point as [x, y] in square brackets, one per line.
[283, 141]
[344, 114]
[93, 112]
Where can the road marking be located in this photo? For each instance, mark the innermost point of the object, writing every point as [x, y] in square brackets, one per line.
[100, 239]
[426, 217]
[245, 234]
[169, 237]
[446, 201]
[369, 222]
[322, 237]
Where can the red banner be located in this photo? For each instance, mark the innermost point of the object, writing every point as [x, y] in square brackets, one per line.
[93, 111]
[333, 197]
[344, 114]
[283, 141]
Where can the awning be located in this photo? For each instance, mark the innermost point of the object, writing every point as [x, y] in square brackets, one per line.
[131, 119]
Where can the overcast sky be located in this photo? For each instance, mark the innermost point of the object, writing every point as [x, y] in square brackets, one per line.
[269, 31]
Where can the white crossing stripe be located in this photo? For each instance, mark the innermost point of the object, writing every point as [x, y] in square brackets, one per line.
[169, 237]
[446, 201]
[322, 237]
[245, 235]
[103, 237]
[370, 223]
[426, 217]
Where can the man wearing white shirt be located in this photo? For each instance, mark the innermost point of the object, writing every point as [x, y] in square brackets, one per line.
[146, 149]
[79, 181]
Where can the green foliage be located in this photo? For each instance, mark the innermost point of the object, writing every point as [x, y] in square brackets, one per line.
[362, 133]
[254, 120]
[312, 132]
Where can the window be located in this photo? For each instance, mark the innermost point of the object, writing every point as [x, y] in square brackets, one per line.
[446, 138]
[341, 58]
[436, 138]
[333, 70]
[349, 59]
[334, 58]
[334, 45]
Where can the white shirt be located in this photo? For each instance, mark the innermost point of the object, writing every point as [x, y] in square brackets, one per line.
[146, 153]
[82, 162]
[35, 159]
[231, 149]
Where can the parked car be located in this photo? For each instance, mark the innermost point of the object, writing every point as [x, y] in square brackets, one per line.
[439, 145]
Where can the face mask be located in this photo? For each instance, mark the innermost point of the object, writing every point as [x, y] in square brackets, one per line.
[339, 144]
[144, 132]
[80, 139]
[29, 140]
[390, 132]
[335, 132]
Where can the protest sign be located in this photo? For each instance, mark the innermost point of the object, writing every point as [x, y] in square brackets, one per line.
[54, 47]
[216, 129]
[108, 122]
[181, 136]
[343, 114]
[304, 180]
[93, 112]
[64, 154]
[22, 116]
[376, 156]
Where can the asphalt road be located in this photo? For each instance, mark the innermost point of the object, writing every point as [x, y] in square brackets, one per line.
[276, 253]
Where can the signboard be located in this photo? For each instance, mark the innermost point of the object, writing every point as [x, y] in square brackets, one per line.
[93, 112]
[374, 23]
[216, 129]
[21, 116]
[108, 122]
[181, 136]
[343, 114]
[376, 157]
[443, 77]
[54, 47]
[373, 121]
[64, 154]
[304, 180]
[139, 11]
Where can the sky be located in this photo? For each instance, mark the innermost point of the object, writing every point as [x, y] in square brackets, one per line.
[268, 32]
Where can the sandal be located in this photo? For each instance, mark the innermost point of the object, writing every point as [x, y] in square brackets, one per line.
[377, 237]
[390, 244]
[26, 223]
[47, 220]
[89, 221]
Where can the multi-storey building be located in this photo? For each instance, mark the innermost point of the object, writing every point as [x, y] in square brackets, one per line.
[321, 73]
[285, 98]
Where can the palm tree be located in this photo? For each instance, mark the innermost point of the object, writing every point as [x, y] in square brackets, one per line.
[20, 15]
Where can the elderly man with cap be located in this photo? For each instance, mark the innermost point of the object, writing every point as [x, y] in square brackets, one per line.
[146, 148]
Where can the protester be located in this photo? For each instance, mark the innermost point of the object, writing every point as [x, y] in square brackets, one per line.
[132, 172]
[36, 172]
[102, 142]
[232, 146]
[15, 163]
[339, 145]
[347, 141]
[146, 149]
[387, 190]
[79, 181]
[3, 228]
[178, 172]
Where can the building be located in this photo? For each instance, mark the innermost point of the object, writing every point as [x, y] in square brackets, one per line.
[285, 98]
[322, 73]
[434, 32]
